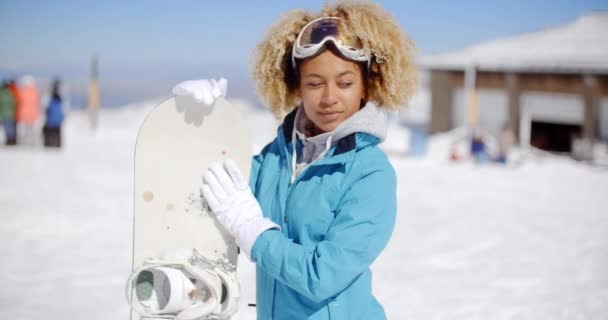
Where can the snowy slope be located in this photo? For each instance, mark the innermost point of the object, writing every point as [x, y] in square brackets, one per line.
[527, 242]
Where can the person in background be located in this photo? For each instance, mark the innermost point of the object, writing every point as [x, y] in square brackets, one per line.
[7, 114]
[28, 109]
[14, 89]
[54, 117]
[478, 146]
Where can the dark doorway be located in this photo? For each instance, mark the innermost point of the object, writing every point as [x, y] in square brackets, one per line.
[554, 136]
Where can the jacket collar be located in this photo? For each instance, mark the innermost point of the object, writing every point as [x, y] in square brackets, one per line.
[353, 141]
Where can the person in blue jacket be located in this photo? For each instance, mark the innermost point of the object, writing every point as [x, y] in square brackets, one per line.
[320, 204]
[54, 117]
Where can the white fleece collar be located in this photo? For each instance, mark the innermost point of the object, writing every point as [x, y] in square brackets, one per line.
[369, 119]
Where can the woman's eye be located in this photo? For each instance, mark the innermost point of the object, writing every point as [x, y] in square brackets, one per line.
[313, 84]
[345, 84]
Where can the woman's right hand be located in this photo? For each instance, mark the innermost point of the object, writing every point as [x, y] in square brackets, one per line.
[205, 91]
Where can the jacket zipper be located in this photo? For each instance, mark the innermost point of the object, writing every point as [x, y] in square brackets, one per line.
[293, 184]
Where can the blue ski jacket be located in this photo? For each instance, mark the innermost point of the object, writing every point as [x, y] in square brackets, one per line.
[54, 113]
[336, 217]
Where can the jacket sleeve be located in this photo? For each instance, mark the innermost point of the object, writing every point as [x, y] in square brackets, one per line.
[361, 229]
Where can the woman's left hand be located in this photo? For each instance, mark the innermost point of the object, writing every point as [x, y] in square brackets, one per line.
[230, 198]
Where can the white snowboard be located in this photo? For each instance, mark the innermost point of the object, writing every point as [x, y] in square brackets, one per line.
[175, 146]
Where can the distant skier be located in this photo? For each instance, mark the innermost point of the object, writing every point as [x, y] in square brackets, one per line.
[54, 117]
[322, 202]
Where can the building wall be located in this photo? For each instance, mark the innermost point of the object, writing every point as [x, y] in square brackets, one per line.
[492, 111]
[603, 119]
[559, 98]
[441, 98]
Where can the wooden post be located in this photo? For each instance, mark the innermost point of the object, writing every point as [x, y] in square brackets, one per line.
[441, 101]
[470, 94]
[94, 93]
[513, 100]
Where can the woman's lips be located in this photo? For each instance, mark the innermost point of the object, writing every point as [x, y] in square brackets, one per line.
[329, 115]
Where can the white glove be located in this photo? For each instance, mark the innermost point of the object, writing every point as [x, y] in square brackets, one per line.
[230, 198]
[205, 91]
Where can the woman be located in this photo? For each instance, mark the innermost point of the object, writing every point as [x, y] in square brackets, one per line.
[321, 204]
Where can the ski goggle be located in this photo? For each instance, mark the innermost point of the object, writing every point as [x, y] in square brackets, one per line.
[318, 32]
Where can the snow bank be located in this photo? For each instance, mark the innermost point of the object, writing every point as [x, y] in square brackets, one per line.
[471, 242]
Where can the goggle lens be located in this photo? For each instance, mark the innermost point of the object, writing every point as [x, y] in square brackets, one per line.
[319, 30]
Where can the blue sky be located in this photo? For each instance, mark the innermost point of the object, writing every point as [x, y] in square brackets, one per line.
[146, 46]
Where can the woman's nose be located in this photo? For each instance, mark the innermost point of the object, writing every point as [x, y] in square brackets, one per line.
[329, 96]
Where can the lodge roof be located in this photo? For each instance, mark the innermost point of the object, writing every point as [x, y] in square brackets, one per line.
[577, 47]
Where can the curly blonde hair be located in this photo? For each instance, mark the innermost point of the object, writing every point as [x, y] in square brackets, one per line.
[392, 78]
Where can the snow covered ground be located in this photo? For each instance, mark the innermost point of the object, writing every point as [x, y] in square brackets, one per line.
[471, 242]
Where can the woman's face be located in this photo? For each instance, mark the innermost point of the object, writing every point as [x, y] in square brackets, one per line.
[331, 89]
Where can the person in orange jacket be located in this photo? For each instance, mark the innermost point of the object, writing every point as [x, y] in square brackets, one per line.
[28, 109]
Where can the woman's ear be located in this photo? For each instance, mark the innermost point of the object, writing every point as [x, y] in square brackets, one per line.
[363, 98]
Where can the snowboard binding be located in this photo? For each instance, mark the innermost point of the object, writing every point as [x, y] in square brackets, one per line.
[189, 287]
